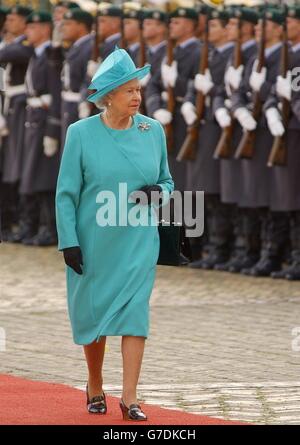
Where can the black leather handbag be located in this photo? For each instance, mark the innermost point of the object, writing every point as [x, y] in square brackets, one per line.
[175, 248]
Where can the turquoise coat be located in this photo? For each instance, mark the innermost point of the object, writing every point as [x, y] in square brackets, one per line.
[112, 296]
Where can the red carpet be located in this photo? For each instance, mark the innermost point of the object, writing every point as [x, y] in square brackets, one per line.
[26, 402]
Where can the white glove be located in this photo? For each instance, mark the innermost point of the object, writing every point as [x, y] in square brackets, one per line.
[3, 126]
[275, 122]
[284, 86]
[84, 110]
[163, 116]
[257, 79]
[92, 68]
[223, 117]
[50, 146]
[203, 82]
[144, 81]
[188, 111]
[233, 76]
[245, 119]
[169, 74]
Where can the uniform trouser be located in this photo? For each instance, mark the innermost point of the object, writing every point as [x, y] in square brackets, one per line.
[274, 234]
[218, 225]
[29, 213]
[295, 236]
[38, 210]
[247, 232]
[47, 210]
[9, 202]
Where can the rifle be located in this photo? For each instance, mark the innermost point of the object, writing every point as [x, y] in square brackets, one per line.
[223, 149]
[278, 155]
[245, 148]
[170, 92]
[142, 61]
[95, 57]
[123, 41]
[189, 147]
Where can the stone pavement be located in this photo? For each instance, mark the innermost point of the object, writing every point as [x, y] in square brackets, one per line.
[220, 344]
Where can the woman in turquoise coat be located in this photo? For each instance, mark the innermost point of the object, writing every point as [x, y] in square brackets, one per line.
[110, 241]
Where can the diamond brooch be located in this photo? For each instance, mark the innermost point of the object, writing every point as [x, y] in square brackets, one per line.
[144, 126]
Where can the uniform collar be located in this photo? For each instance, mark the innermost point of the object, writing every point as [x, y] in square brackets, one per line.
[295, 48]
[41, 48]
[116, 35]
[272, 49]
[153, 49]
[248, 44]
[82, 39]
[19, 38]
[188, 42]
[222, 49]
[133, 46]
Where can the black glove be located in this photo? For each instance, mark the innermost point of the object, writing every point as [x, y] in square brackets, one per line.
[147, 189]
[73, 258]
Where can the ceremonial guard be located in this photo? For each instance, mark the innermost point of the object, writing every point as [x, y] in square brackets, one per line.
[154, 32]
[14, 56]
[254, 194]
[108, 35]
[285, 184]
[182, 28]
[76, 30]
[42, 133]
[241, 29]
[133, 20]
[203, 173]
[109, 28]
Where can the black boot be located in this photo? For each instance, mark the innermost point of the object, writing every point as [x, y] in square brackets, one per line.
[43, 238]
[26, 231]
[292, 272]
[264, 267]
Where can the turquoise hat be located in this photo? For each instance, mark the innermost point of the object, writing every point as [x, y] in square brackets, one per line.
[117, 69]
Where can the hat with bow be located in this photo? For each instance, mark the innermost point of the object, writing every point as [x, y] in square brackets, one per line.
[117, 69]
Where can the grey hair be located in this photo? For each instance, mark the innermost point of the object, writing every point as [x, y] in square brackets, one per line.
[102, 104]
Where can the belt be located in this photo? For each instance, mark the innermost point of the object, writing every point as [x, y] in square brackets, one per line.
[71, 96]
[14, 90]
[39, 101]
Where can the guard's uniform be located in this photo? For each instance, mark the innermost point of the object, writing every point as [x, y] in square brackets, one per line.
[15, 57]
[203, 174]
[285, 184]
[187, 56]
[254, 195]
[39, 173]
[74, 80]
[230, 171]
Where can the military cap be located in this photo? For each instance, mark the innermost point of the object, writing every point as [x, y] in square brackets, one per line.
[203, 9]
[67, 4]
[79, 15]
[155, 14]
[245, 14]
[20, 10]
[275, 15]
[219, 14]
[294, 12]
[186, 13]
[4, 10]
[132, 13]
[39, 17]
[106, 9]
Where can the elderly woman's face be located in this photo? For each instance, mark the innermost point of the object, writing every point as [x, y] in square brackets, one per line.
[126, 99]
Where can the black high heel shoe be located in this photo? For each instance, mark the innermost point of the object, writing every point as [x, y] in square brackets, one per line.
[134, 412]
[97, 405]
